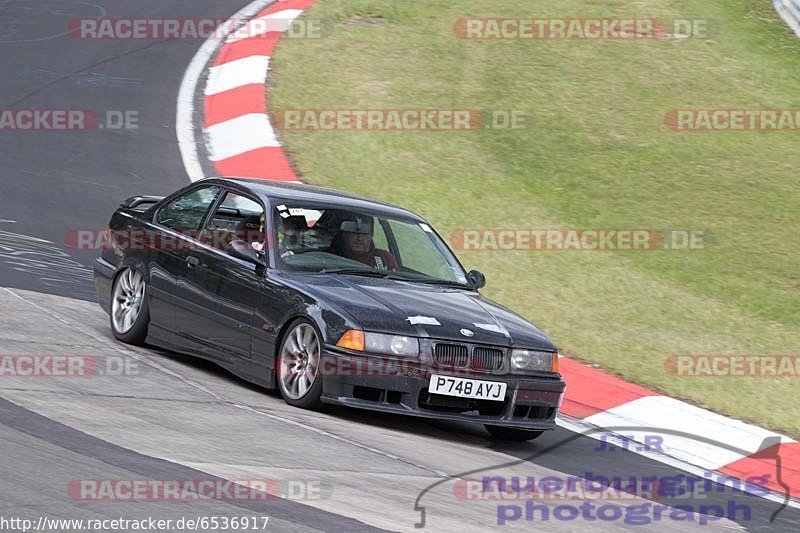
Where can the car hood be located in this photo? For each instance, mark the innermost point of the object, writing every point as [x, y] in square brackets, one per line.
[407, 308]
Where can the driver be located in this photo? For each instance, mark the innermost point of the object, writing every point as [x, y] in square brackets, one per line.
[354, 241]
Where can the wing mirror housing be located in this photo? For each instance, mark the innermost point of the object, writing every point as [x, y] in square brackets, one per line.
[476, 279]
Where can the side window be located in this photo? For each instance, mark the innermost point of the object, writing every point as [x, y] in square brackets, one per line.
[185, 213]
[419, 252]
[236, 218]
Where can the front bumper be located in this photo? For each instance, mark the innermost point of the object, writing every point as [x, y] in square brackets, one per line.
[529, 403]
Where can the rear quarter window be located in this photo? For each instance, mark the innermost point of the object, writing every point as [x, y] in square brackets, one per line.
[186, 212]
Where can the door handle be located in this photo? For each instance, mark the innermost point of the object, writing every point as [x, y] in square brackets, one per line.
[192, 261]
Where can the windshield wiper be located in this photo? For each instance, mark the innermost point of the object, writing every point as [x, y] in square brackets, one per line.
[355, 272]
[429, 281]
[436, 281]
[391, 275]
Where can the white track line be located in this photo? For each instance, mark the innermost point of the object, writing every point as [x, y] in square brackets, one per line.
[185, 116]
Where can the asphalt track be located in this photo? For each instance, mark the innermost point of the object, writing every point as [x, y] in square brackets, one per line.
[170, 417]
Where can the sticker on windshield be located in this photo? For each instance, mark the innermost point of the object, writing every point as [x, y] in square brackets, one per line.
[297, 211]
[426, 320]
[425, 227]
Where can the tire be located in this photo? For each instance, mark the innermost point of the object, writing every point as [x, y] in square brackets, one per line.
[298, 366]
[512, 434]
[130, 312]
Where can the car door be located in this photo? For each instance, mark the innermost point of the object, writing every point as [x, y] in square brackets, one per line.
[178, 222]
[224, 291]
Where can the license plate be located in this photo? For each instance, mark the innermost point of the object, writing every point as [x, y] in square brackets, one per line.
[467, 388]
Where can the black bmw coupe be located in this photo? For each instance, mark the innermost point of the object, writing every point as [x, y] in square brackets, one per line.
[330, 297]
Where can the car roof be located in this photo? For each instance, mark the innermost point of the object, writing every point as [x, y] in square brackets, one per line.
[295, 191]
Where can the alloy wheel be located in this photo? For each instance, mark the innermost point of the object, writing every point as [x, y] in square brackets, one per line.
[126, 302]
[299, 361]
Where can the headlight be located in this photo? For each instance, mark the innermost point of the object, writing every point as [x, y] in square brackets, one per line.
[390, 344]
[532, 361]
[379, 343]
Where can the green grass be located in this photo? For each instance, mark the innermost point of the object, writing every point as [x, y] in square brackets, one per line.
[598, 156]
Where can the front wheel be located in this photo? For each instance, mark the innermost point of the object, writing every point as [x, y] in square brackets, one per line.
[298, 368]
[512, 434]
[130, 314]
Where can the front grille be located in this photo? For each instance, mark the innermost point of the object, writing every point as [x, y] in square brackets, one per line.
[462, 356]
[486, 358]
[451, 355]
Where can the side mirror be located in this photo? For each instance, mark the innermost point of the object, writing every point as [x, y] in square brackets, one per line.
[245, 252]
[476, 279]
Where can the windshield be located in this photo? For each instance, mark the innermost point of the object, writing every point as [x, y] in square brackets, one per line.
[318, 239]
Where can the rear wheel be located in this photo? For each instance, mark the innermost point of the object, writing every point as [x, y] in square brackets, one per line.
[298, 372]
[512, 434]
[130, 313]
